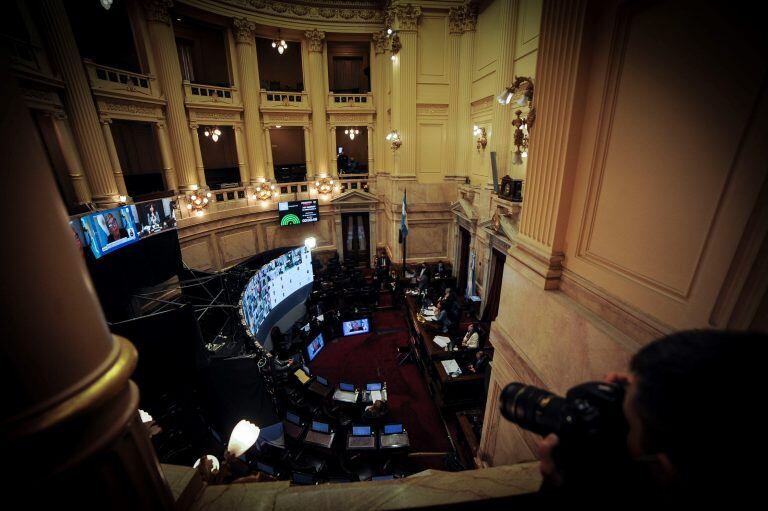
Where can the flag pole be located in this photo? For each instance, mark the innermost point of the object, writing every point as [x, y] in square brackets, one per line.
[405, 238]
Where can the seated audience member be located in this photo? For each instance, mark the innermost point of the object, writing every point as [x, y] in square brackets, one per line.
[448, 298]
[440, 269]
[376, 411]
[688, 396]
[482, 362]
[442, 318]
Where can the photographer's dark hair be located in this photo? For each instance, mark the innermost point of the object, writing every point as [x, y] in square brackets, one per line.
[698, 393]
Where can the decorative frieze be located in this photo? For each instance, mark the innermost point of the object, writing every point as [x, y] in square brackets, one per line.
[364, 12]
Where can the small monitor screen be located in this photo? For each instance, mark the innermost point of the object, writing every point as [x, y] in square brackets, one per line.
[392, 429]
[348, 387]
[292, 417]
[355, 327]
[300, 478]
[322, 381]
[106, 231]
[320, 427]
[298, 212]
[373, 386]
[361, 430]
[267, 469]
[314, 347]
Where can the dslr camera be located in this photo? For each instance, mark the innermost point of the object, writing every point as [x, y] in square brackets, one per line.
[590, 424]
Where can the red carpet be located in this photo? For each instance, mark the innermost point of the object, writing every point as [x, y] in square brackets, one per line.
[373, 357]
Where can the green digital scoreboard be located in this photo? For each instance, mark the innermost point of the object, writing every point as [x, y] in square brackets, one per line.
[298, 212]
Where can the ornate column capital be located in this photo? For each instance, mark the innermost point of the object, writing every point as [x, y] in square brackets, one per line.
[160, 124]
[456, 20]
[105, 120]
[245, 30]
[157, 10]
[380, 41]
[315, 39]
[193, 125]
[407, 16]
[469, 17]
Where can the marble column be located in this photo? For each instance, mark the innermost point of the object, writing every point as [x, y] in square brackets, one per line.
[499, 138]
[116, 167]
[317, 96]
[242, 165]
[71, 157]
[371, 148]
[333, 169]
[379, 61]
[455, 29]
[249, 77]
[64, 54]
[269, 165]
[404, 87]
[69, 416]
[464, 144]
[169, 173]
[199, 165]
[551, 165]
[308, 152]
[163, 42]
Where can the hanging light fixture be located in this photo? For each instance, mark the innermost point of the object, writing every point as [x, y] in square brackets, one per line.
[264, 191]
[213, 132]
[325, 185]
[279, 43]
[520, 138]
[352, 133]
[482, 139]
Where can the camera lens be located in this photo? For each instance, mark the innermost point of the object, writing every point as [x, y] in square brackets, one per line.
[532, 408]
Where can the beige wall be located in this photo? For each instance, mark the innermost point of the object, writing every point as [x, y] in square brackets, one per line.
[636, 223]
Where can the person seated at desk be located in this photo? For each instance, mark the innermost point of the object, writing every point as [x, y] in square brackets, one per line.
[447, 299]
[423, 281]
[280, 367]
[440, 269]
[471, 340]
[443, 318]
[376, 411]
[481, 363]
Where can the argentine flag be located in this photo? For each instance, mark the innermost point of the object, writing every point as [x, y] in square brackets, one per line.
[403, 221]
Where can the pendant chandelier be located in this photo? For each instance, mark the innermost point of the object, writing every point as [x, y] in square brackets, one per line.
[213, 132]
[352, 133]
[279, 43]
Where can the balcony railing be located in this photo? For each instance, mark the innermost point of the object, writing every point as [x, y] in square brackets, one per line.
[112, 80]
[350, 101]
[291, 100]
[199, 94]
[354, 182]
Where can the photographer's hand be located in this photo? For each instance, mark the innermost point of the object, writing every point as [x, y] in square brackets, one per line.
[547, 467]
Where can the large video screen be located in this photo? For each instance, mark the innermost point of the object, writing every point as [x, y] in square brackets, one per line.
[298, 212]
[355, 327]
[106, 231]
[273, 283]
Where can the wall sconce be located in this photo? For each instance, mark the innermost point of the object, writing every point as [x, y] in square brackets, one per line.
[197, 202]
[324, 186]
[394, 139]
[482, 139]
[264, 191]
[520, 138]
[396, 45]
[213, 132]
[352, 132]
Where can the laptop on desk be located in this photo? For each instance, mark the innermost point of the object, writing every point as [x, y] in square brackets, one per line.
[320, 434]
[393, 436]
[374, 392]
[362, 437]
[320, 386]
[346, 393]
[293, 426]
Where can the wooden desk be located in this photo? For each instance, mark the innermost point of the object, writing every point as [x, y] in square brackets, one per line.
[425, 334]
[466, 389]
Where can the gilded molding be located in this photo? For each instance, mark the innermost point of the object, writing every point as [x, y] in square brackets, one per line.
[315, 39]
[157, 10]
[245, 30]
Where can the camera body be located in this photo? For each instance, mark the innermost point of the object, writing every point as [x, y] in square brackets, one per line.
[589, 422]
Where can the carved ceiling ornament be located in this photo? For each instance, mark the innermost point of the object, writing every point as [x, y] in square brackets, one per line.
[315, 39]
[157, 10]
[360, 11]
[245, 30]
[407, 16]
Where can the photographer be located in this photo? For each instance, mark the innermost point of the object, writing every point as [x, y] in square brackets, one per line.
[682, 409]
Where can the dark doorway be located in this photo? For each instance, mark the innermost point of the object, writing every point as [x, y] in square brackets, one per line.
[464, 243]
[355, 232]
[494, 291]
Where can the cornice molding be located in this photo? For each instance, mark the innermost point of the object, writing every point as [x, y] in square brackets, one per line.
[351, 12]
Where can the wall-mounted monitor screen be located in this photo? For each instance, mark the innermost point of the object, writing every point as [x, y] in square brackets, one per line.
[108, 230]
[314, 347]
[356, 326]
[298, 212]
